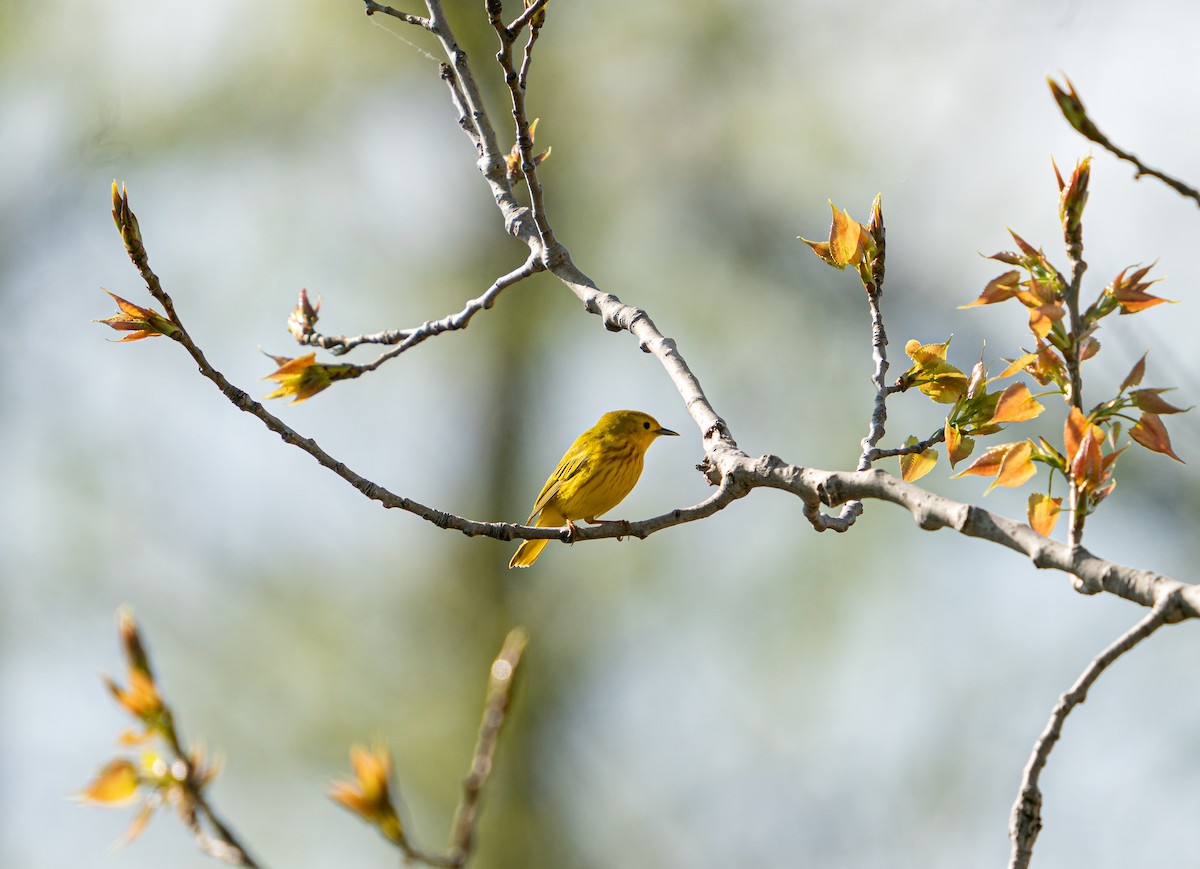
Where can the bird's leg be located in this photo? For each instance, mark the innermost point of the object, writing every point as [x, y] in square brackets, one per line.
[572, 529]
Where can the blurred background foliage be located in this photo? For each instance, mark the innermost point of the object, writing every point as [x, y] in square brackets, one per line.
[735, 692]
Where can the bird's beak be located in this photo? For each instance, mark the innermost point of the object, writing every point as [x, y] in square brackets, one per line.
[667, 431]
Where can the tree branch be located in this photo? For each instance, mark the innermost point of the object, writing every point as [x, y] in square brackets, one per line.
[501, 681]
[1072, 108]
[1026, 821]
[406, 339]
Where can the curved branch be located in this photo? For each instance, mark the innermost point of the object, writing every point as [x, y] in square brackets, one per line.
[1026, 821]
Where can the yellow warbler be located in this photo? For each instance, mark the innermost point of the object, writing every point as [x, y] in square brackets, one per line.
[599, 470]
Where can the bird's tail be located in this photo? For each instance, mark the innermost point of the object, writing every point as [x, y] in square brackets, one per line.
[528, 552]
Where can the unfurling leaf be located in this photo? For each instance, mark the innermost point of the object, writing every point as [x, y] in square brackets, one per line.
[513, 159]
[303, 318]
[138, 321]
[303, 377]
[1072, 196]
[847, 238]
[1072, 108]
[932, 374]
[1152, 434]
[913, 466]
[977, 383]
[1043, 513]
[1087, 465]
[848, 241]
[1016, 405]
[369, 796]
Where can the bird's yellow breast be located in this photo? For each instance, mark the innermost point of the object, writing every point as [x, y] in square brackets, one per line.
[608, 475]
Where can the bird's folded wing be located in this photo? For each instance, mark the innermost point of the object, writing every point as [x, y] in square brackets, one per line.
[567, 468]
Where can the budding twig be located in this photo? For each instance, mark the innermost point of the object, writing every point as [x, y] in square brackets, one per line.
[1072, 108]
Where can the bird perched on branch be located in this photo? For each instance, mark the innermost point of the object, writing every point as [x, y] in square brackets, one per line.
[596, 473]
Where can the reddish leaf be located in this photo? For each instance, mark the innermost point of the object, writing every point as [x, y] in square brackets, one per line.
[1152, 434]
[1087, 467]
[1134, 377]
[1152, 400]
[1075, 429]
[1025, 246]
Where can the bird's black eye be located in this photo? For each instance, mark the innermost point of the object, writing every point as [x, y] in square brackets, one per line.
[646, 426]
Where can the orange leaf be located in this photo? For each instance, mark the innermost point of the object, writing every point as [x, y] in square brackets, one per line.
[1015, 366]
[1016, 405]
[847, 238]
[998, 290]
[993, 464]
[138, 321]
[1152, 434]
[913, 466]
[1043, 317]
[1016, 467]
[987, 465]
[958, 447]
[115, 785]
[1043, 513]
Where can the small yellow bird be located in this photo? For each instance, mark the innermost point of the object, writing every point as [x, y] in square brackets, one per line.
[596, 473]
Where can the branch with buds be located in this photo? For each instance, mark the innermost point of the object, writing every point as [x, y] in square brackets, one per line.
[1062, 324]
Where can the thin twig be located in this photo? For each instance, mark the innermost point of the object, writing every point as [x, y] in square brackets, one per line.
[408, 338]
[516, 88]
[1072, 108]
[527, 58]
[522, 19]
[919, 447]
[373, 7]
[1026, 821]
[501, 680]
[1073, 237]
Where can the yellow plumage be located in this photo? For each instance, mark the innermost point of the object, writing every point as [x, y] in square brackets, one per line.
[594, 475]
